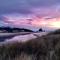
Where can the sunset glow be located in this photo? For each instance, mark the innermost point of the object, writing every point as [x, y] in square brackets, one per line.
[55, 24]
[34, 21]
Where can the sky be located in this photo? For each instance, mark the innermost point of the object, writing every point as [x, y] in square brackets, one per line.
[31, 14]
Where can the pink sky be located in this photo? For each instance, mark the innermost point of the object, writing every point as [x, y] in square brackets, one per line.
[33, 21]
[30, 13]
[44, 17]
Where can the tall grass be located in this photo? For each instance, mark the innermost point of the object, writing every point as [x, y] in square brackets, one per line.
[43, 48]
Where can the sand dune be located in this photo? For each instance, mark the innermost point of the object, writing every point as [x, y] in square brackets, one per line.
[22, 38]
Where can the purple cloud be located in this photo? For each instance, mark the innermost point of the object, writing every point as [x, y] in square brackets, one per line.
[24, 6]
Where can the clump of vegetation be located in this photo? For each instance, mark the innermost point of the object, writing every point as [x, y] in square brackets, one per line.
[43, 48]
[55, 32]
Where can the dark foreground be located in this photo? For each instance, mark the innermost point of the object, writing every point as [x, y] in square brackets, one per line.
[43, 48]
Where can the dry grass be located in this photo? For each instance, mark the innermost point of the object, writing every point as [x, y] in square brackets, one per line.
[43, 48]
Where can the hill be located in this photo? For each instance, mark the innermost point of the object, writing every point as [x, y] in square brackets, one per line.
[8, 29]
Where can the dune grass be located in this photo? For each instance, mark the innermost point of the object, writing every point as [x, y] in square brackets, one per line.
[43, 48]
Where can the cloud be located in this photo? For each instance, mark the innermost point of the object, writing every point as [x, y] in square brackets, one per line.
[24, 6]
[14, 6]
[31, 21]
[43, 3]
[35, 13]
